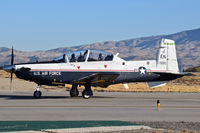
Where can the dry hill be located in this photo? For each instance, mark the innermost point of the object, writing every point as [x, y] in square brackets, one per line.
[187, 42]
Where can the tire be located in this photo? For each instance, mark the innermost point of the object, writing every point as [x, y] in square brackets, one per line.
[87, 94]
[37, 94]
[74, 93]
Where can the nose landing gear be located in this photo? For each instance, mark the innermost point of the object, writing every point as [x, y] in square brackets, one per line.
[37, 93]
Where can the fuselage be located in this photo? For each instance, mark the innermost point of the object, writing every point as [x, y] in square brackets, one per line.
[66, 73]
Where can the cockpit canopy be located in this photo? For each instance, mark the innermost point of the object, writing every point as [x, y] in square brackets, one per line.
[86, 56]
[89, 55]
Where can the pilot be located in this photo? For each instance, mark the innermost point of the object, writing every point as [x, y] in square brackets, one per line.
[107, 58]
[100, 57]
[73, 58]
[81, 58]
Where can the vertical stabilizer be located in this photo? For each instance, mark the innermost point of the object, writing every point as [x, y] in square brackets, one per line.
[167, 59]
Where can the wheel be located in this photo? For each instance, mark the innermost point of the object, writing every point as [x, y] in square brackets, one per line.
[87, 94]
[74, 93]
[37, 94]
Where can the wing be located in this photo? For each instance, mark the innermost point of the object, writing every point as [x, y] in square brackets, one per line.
[98, 79]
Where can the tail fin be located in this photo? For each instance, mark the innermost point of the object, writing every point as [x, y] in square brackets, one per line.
[167, 59]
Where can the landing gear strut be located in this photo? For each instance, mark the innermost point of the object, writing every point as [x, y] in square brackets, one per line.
[37, 93]
[74, 91]
[87, 93]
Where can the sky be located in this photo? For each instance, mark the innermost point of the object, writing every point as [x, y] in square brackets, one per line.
[46, 24]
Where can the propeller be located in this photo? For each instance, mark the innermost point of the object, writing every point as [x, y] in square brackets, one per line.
[12, 69]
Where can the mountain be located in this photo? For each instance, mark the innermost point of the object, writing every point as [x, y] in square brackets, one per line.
[187, 46]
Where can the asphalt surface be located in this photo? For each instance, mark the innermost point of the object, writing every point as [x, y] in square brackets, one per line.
[124, 106]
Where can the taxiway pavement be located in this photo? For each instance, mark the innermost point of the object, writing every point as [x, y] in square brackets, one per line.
[124, 106]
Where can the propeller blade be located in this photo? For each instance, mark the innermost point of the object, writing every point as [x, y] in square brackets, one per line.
[11, 78]
[12, 57]
[11, 74]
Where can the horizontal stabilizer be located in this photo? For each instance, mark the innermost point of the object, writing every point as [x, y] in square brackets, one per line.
[156, 84]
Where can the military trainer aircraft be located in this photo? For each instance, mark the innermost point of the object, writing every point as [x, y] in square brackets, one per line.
[94, 68]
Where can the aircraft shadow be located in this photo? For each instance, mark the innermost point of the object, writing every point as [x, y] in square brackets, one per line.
[30, 97]
[20, 97]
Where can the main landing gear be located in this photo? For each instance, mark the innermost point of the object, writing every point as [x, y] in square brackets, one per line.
[87, 92]
[37, 93]
[74, 91]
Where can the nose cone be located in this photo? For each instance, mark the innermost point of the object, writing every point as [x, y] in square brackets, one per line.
[9, 68]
